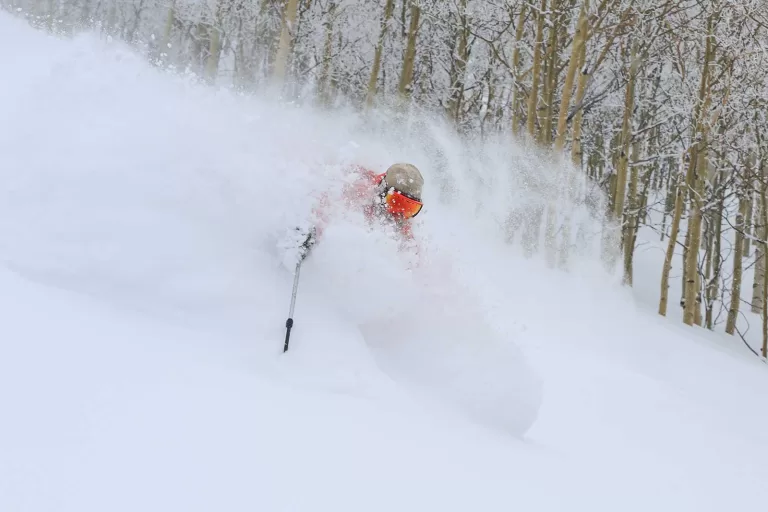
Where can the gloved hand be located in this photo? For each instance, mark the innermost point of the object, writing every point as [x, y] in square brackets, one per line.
[296, 244]
[310, 237]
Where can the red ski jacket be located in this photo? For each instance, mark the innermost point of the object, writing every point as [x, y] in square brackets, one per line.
[363, 194]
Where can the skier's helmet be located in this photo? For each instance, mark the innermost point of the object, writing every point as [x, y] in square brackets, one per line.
[403, 184]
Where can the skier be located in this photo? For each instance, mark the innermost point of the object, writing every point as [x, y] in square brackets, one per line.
[392, 197]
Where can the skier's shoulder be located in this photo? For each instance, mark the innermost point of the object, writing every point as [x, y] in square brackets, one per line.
[360, 181]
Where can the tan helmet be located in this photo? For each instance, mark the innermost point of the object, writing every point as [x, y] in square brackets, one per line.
[406, 178]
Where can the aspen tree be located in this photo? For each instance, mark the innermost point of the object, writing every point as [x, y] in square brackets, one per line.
[214, 47]
[85, 14]
[516, 89]
[686, 245]
[577, 49]
[706, 243]
[758, 283]
[533, 97]
[576, 152]
[626, 132]
[550, 73]
[537, 111]
[375, 69]
[635, 200]
[748, 232]
[585, 75]
[325, 77]
[626, 137]
[765, 311]
[111, 18]
[713, 281]
[764, 220]
[630, 224]
[695, 186]
[647, 183]
[130, 35]
[406, 76]
[733, 310]
[285, 46]
[197, 36]
[669, 203]
[262, 40]
[692, 280]
[695, 223]
[672, 242]
[459, 64]
[168, 27]
[759, 297]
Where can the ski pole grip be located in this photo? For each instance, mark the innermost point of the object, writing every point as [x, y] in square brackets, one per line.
[288, 326]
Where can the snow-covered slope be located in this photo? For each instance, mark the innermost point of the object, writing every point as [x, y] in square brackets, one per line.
[144, 293]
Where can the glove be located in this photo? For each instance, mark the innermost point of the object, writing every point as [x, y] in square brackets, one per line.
[308, 243]
[296, 244]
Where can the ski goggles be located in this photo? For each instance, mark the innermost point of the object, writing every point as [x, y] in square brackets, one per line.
[401, 204]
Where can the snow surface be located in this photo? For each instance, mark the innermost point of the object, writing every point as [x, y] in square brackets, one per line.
[144, 293]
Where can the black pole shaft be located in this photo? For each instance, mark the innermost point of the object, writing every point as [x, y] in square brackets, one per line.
[288, 326]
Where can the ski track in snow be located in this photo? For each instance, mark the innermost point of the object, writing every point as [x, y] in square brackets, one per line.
[145, 293]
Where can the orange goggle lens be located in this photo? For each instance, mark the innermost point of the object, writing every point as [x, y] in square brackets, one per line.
[402, 205]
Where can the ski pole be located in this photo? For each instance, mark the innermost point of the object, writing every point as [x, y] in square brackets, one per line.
[289, 322]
